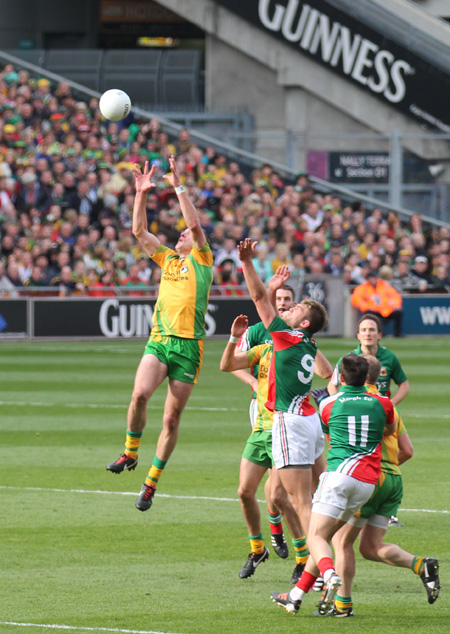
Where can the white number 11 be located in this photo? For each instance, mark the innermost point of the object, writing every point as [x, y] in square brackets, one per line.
[352, 430]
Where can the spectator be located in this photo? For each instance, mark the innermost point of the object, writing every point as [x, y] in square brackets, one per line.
[228, 252]
[7, 288]
[262, 264]
[134, 282]
[101, 287]
[403, 280]
[442, 279]
[379, 297]
[420, 271]
[66, 283]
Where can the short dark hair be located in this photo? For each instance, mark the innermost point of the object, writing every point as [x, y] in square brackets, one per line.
[374, 368]
[286, 287]
[317, 315]
[354, 369]
[374, 318]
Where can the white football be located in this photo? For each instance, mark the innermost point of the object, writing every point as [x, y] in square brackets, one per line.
[115, 104]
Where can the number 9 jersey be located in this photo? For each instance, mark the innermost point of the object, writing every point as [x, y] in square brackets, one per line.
[292, 369]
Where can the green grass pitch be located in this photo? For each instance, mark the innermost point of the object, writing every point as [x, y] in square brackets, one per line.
[77, 556]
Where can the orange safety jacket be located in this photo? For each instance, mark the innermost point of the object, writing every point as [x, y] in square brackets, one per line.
[382, 298]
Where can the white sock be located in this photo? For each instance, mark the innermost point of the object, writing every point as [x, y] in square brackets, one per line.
[327, 574]
[296, 594]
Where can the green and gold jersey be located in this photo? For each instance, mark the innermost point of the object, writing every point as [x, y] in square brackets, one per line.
[389, 444]
[390, 370]
[183, 293]
[253, 336]
[260, 357]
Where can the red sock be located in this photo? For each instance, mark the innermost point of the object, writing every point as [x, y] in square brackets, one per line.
[306, 581]
[325, 564]
[276, 529]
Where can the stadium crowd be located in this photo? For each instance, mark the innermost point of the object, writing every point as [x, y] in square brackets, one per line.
[66, 198]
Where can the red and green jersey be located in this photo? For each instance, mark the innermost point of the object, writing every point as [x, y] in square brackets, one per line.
[183, 293]
[389, 444]
[260, 357]
[254, 336]
[390, 370]
[354, 419]
[292, 369]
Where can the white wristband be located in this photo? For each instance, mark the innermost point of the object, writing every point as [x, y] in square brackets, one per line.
[179, 190]
[233, 339]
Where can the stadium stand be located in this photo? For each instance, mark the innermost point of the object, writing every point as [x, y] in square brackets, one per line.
[66, 197]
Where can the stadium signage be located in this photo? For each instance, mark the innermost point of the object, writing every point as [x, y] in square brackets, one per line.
[353, 50]
[335, 43]
[125, 320]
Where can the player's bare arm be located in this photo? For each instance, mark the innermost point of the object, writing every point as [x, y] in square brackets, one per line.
[402, 391]
[187, 207]
[405, 449]
[143, 184]
[322, 367]
[232, 360]
[246, 377]
[255, 286]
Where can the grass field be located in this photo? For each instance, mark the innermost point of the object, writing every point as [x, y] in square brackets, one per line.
[77, 556]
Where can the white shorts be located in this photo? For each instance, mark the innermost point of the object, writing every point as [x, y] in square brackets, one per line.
[380, 521]
[296, 440]
[253, 411]
[340, 496]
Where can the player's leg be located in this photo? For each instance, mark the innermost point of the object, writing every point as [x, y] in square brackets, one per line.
[184, 360]
[178, 394]
[297, 484]
[317, 469]
[150, 374]
[343, 543]
[250, 475]
[282, 501]
[274, 513]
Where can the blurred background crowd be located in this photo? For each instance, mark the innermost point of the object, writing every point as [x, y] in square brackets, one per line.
[66, 200]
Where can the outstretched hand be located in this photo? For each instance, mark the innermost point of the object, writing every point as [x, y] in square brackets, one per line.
[173, 176]
[279, 278]
[239, 326]
[143, 180]
[246, 250]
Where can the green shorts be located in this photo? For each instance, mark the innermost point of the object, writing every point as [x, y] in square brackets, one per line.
[183, 357]
[259, 449]
[386, 498]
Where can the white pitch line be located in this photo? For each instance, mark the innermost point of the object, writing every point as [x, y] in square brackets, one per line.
[173, 497]
[55, 626]
[99, 492]
[115, 406]
[192, 408]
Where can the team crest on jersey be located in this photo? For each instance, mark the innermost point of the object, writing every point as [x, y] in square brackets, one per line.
[184, 269]
[383, 371]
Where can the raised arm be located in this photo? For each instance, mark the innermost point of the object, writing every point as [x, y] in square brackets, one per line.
[190, 213]
[255, 286]
[232, 360]
[322, 367]
[143, 183]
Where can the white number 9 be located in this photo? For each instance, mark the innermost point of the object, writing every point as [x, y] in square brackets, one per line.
[307, 364]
